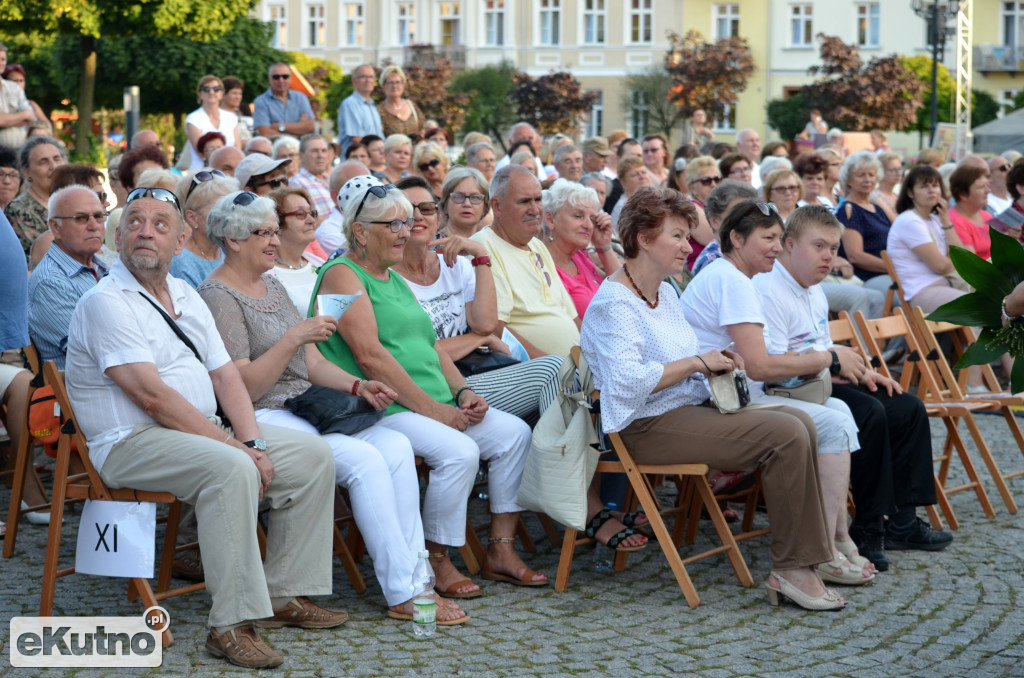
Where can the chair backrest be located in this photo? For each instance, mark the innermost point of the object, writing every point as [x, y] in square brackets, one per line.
[32, 357]
[896, 288]
[876, 331]
[71, 431]
[962, 337]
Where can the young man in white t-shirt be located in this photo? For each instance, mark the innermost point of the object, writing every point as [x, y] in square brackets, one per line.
[892, 473]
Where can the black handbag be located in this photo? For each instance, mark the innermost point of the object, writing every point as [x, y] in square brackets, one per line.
[332, 411]
[483, 360]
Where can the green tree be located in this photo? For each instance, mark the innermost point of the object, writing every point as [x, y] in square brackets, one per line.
[662, 114]
[788, 116]
[324, 76]
[707, 75]
[488, 89]
[88, 20]
[552, 103]
[983, 107]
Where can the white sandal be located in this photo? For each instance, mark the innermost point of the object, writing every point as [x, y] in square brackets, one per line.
[849, 549]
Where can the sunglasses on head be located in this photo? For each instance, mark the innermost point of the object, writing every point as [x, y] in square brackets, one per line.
[202, 177]
[424, 166]
[376, 191]
[244, 199]
[767, 208]
[161, 194]
[281, 76]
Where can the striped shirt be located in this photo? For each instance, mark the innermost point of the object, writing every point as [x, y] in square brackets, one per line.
[54, 287]
[316, 188]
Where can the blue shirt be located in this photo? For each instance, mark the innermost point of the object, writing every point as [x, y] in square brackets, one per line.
[268, 110]
[56, 285]
[13, 289]
[357, 117]
[192, 268]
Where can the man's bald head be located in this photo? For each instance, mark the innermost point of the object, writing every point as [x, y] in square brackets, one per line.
[226, 159]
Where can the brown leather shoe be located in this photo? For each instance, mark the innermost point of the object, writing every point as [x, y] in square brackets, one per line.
[305, 614]
[243, 647]
[189, 565]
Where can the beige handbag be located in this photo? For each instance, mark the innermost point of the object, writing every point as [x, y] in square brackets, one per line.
[563, 453]
[816, 390]
[729, 391]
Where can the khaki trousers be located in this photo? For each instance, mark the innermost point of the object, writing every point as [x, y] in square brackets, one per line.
[782, 442]
[223, 484]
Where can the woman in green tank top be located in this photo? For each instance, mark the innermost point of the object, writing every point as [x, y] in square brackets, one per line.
[386, 335]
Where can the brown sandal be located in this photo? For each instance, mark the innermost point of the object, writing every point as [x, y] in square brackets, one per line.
[452, 590]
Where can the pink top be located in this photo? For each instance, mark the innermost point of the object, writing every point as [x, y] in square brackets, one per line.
[972, 235]
[583, 286]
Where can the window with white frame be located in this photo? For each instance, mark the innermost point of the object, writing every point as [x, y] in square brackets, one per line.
[316, 25]
[278, 16]
[494, 21]
[1006, 97]
[353, 28]
[638, 112]
[594, 120]
[641, 16]
[550, 21]
[1013, 24]
[801, 25]
[725, 122]
[868, 24]
[594, 17]
[406, 13]
[451, 23]
[727, 20]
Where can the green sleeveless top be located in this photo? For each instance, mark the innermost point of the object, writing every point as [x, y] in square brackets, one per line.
[403, 328]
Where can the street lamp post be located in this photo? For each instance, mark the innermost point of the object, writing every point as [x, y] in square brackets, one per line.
[936, 17]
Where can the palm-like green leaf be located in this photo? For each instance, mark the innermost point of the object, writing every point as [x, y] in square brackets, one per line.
[973, 309]
[1007, 255]
[988, 348]
[983, 276]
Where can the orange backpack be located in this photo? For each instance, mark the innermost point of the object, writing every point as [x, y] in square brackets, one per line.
[45, 419]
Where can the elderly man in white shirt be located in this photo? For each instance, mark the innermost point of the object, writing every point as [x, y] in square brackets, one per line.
[146, 369]
[331, 233]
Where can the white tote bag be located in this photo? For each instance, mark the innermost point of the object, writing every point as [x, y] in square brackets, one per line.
[563, 456]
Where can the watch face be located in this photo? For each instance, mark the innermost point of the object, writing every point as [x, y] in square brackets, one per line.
[258, 444]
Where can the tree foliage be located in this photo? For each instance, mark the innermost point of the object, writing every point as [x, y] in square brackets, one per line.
[983, 107]
[788, 116]
[89, 20]
[706, 75]
[488, 89]
[427, 85]
[324, 76]
[663, 115]
[857, 96]
[552, 103]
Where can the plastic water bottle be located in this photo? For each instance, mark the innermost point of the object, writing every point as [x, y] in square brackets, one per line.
[424, 601]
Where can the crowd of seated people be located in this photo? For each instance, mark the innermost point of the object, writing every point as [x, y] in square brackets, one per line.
[448, 260]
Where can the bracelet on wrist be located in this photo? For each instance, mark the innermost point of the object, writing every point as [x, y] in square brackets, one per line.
[355, 386]
[1006, 316]
[458, 394]
[946, 228]
[603, 249]
[480, 261]
[703, 363]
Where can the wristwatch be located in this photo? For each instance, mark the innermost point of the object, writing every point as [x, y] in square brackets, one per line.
[257, 443]
[1007, 318]
[280, 126]
[834, 368]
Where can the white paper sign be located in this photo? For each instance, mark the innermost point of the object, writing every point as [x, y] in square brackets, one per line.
[335, 304]
[117, 539]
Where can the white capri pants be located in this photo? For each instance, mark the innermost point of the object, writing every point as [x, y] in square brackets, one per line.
[837, 431]
[378, 469]
[501, 439]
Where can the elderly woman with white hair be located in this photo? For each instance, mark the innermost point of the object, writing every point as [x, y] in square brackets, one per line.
[432, 164]
[481, 156]
[571, 225]
[197, 195]
[275, 350]
[288, 147]
[397, 156]
[867, 225]
[387, 335]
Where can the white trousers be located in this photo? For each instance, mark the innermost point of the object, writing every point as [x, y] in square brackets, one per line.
[378, 469]
[501, 439]
[837, 431]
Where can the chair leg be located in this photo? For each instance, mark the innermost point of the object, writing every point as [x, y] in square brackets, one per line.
[349, 563]
[60, 484]
[472, 552]
[565, 560]
[524, 536]
[947, 508]
[550, 529]
[144, 591]
[170, 541]
[23, 460]
[739, 565]
[972, 473]
[990, 462]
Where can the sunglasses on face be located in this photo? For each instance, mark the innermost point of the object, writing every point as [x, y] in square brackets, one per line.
[376, 191]
[426, 208]
[473, 198]
[430, 164]
[210, 88]
[274, 183]
[161, 194]
[301, 214]
[786, 189]
[708, 181]
[396, 225]
[202, 177]
[82, 218]
[281, 76]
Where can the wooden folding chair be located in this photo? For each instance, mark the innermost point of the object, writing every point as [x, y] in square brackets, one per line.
[696, 475]
[842, 331]
[947, 385]
[895, 289]
[87, 484]
[916, 368]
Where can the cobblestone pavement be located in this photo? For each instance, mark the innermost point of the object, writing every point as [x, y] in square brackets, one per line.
[954, 613]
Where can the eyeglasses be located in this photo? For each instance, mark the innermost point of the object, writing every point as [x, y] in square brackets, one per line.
[376, 191]
[396, 224]
[275, 183]
[767, 208]
[426, 208]
[1001, 168]
[9, 176]
[301, 214]
[737, 171]
[473, 198]
[538, 263]
[82, 218]
[201, 177]
[244, 199]
[430, 164]
[210, 88]
[267, 234]
[364, 77]
[786, 189]
[281, 76]
[707, 181]
[161, 194]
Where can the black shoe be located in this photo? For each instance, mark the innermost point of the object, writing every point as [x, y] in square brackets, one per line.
[919, 536]
[871, 544]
